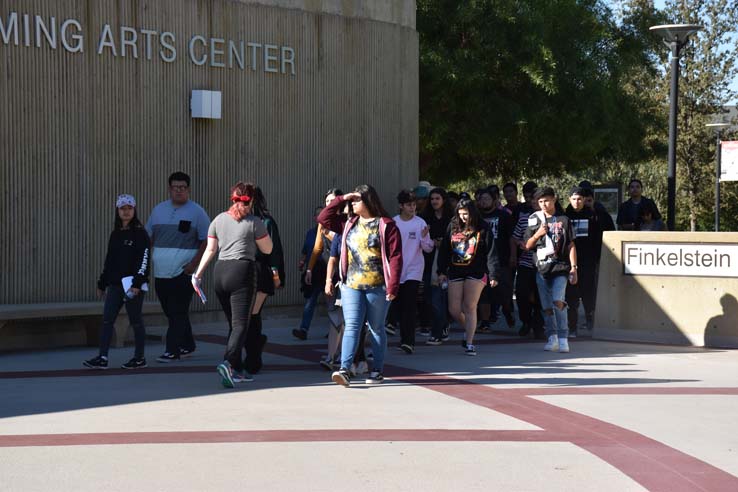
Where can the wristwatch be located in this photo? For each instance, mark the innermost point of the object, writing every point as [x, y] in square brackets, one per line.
[575, 267]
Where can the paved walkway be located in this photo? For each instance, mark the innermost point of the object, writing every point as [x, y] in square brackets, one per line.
[605, 417]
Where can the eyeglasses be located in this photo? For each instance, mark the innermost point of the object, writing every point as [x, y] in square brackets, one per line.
[179, 187]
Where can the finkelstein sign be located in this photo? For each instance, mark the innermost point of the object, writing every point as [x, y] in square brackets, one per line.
[680, 259]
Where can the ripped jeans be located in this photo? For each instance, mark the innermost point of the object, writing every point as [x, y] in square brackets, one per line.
[553, 289]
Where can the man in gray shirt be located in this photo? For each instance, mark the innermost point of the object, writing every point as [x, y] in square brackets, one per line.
[178, 231]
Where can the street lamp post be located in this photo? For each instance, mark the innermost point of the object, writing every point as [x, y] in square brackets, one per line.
[718, 127]
[675, 37]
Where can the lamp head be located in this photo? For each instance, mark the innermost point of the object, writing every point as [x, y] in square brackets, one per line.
[678, 33]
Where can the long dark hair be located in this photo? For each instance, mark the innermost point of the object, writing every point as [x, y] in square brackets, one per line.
[447, 211]
[259, 204]
[332, 191]
[371, 200]
[134, 224]
[475, 219]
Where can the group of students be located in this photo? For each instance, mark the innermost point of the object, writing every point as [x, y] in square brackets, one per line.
[181, 240]
[447, 254]
[465, 257]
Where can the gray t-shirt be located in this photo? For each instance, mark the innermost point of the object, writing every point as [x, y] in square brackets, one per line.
[237, 240]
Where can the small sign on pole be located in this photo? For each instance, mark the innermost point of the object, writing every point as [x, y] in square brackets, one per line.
[729, 161]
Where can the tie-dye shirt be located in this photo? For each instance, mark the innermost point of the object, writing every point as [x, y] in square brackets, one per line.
[364, 256]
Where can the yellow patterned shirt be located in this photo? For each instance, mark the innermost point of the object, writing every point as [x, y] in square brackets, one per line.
[364, 256]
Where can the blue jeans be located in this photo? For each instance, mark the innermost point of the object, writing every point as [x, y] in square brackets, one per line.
[439, 302]
[309, 309]
[550, 290]
[359, 305]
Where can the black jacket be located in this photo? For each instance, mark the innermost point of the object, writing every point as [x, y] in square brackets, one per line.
[128, 255]
[587, 236]
[275, 259]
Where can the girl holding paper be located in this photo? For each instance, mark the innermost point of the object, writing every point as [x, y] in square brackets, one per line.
[235, 235]
[124, 281]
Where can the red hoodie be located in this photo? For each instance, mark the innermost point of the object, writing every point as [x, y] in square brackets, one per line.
[390, 242]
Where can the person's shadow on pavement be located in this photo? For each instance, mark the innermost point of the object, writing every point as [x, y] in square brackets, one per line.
[722, 331]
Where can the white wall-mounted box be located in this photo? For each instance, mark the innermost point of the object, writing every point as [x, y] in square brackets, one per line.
[206, 104]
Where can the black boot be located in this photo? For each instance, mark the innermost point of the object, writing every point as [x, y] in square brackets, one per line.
[254, 345]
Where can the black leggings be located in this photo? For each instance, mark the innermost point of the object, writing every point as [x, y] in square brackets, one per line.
[235, 286]
[407, 304]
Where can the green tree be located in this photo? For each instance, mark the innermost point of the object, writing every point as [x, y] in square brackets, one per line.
[516, 87]
[708, 68]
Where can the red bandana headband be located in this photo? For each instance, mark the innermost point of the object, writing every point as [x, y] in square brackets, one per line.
[240, 198]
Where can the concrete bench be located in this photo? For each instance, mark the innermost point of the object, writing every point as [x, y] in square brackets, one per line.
[61, 324]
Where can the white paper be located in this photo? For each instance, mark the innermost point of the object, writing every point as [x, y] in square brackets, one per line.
[128, 283]
[197, 285]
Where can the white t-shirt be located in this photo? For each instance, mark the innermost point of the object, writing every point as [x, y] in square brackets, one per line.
[413, 245]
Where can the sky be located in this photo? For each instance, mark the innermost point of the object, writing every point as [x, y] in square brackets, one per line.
[660, 4]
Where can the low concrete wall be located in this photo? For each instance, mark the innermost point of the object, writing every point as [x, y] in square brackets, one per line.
[699, 311]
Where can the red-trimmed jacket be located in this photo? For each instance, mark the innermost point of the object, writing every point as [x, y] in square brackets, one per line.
[389, 238]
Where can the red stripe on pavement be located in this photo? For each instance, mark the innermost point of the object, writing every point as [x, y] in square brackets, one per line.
[579, 391]
[318, 435]
[653, 464]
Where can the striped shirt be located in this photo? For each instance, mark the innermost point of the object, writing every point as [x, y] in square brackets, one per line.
[176, 233]
[525, 259]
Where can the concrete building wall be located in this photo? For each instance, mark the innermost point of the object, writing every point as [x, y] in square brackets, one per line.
[79, 127]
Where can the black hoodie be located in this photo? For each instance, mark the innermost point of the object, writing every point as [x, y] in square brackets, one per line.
[128, 255]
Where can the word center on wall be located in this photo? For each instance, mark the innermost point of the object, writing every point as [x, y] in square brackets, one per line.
[32, 30]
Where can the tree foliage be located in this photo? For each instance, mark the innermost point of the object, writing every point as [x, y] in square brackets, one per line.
[708, 67]
[511, 87]
[562, 90]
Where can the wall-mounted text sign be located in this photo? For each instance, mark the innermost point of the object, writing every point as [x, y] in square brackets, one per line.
[680, 259]
[26, 30]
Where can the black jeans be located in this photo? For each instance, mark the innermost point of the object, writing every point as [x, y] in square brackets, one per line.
[501, 296]
[407, 305]
[115, 298]
[586, 289]
[235, 286]
[175, 295]
[526, 293]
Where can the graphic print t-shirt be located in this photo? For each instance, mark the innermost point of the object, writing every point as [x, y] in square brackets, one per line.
[559, 236]
[364, 256]
[464, 247]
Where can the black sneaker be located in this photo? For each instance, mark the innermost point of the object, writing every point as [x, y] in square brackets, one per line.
[408, 349]
[390, 329]
[184, 353]
[445, 334]
[524, 330]
[470, 350]
[342, 377]
[433, 341]
[98, 362]
[484, 327]
[166, 357]
[300, 334]
[424, 332]
[375, 377]
[135, 363]
[463, 343]
[510, 320]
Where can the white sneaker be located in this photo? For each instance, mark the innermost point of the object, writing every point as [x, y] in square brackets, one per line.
[553, 344]
[563, 345]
